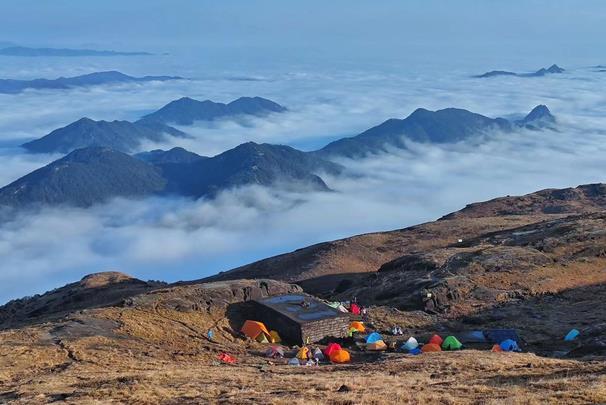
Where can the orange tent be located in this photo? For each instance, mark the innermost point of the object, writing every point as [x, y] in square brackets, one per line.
[359, 326]
[376, 346]
[436, 339]
[431, 347]
[340, 356]
[496, 348]
[256, 330]
[332, 347]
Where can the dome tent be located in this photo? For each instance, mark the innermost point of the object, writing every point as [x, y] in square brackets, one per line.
[431, 347]
[358, 326]
[410, 344]
[257, 331]
[436, 339]
[451, 343]
[340, 356]
[373, 337]
[332, 347]
[376, 346]
[510, 346]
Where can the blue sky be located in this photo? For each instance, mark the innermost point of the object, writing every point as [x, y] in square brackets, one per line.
[312, 29]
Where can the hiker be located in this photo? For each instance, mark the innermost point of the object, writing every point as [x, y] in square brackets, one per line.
[400, 332]
[364, 312]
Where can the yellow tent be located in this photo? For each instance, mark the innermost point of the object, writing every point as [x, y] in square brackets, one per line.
[275, 337]
[303, 353]
[376, 346]
[256, 330]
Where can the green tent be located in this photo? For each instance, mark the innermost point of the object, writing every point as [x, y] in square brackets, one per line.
[451, 343]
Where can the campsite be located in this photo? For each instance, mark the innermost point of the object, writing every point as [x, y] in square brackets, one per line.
[201, 343]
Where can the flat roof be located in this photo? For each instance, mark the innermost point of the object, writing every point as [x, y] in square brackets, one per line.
[290, 306]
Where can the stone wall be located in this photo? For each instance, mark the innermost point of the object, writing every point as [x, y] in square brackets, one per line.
[292, 332]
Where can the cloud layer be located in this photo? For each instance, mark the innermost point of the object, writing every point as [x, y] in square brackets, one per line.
[174, 239]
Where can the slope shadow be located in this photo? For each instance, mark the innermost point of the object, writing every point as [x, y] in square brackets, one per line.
[542, 321]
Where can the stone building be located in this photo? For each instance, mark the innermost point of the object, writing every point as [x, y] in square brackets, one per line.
[300, 318]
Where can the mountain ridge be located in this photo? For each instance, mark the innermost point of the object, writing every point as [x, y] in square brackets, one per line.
[14, 86]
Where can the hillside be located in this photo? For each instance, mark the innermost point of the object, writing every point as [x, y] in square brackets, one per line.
[83, 178]
[94, 175]
[113, 336]
[185, 111]
[321, 268]
[449, 125]
[122, 136]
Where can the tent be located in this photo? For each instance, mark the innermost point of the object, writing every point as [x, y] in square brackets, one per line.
[572, 335]
[416, 351]
[476, 336]
[359, 326]
[510, 346]
[373, 337]
[332, 347]
[303, 353]
[354, 308]
[340, 356]
[318, 354]
[499, 335]
[410, 344]
[451, 343]
[334, 304]
[436, 339]
[226, 358]
[275, 351]
[294, 362]
[342, 309]
[376, 346]
[262, 338]
[431, 347]
[256, 330]
[496, 348]
[275, 336]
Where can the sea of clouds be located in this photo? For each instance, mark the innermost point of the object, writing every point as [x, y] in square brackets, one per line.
[174, 239]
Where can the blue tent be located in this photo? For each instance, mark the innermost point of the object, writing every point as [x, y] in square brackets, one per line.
[416, 351]
[572, 335]
[373, 337]
[510, 346]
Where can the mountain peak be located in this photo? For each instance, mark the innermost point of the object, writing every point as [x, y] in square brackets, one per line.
[555, 69]
[539, 117]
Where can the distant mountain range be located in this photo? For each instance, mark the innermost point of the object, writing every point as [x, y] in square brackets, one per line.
[27, 51]
[185, 111]
[541, 72]
[95, 174]
[118, 135]
[12, 86]
[424, 126]
[127, 136]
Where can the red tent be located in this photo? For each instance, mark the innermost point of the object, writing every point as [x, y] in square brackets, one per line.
[332, 347]
[354, 308]
[226, 358]
[436, 339]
